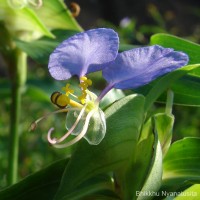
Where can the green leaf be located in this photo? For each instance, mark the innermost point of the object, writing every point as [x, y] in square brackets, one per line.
[40, 185]
[101, 184]
[25, 19]
[56, 15]
[137, 169]
[192, 193]
[186, 89]
[154, 175]
[178, 44]
[163, 127]
[40, 50]
[112, 96]
[182, 163]
[166, 82]
[124, 119]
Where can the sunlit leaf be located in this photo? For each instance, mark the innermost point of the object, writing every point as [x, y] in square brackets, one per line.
[19, 20]
[182, 163]
[56, 15]
[178, 44]
[166, 82]
[163, 126]
[154, 174]
[192, 193]
[124, 119]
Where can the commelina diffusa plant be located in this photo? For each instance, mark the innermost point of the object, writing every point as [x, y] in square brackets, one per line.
[92, 51]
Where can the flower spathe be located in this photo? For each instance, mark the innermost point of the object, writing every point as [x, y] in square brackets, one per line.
[92, 51]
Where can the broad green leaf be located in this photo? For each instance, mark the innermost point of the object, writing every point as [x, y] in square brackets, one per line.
[40, 185]
[178, 44]
[163, 126]
[55, 15]
[124, 119]
[192, 193]
[101, 184]
[40, 50]
[182, 163]
[19, 20]
[166, 82]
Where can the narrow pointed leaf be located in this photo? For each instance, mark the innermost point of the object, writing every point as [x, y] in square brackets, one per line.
[153, 175]
[163, 126]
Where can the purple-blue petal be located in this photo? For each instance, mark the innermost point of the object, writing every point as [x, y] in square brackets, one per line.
[83, 53]
[137, 67]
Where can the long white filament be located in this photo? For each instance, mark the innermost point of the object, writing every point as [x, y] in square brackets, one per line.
[34, 124]
[54, 140]
[79, 136]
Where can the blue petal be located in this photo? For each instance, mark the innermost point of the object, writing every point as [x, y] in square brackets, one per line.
[139, 66]
[83, 53]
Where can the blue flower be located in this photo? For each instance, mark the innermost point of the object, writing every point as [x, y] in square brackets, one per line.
[96, 50]
[137, 67]
[84, 53]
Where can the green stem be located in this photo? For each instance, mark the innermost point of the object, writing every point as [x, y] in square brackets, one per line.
[18, 78]
[169, 103]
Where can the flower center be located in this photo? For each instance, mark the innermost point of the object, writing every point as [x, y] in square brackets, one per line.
[86, 97]
[83, 113]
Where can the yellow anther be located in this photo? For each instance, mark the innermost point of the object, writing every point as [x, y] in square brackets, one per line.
[83, 78]
[84, 83]
[59, 99]
[67, 89]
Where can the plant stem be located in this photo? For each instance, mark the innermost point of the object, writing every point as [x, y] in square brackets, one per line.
[18, 78]
[169, 103]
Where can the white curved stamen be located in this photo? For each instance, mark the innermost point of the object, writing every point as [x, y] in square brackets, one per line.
[34, 124]
[81, 135]
[54, 140]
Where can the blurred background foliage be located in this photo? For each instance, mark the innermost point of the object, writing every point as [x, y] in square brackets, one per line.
[135, 21]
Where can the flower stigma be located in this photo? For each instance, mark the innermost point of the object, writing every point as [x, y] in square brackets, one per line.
[83, 113]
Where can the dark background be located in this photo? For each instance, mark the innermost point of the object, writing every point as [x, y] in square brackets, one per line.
[179, 17]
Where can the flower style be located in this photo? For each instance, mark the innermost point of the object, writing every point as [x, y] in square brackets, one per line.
[96, 50]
